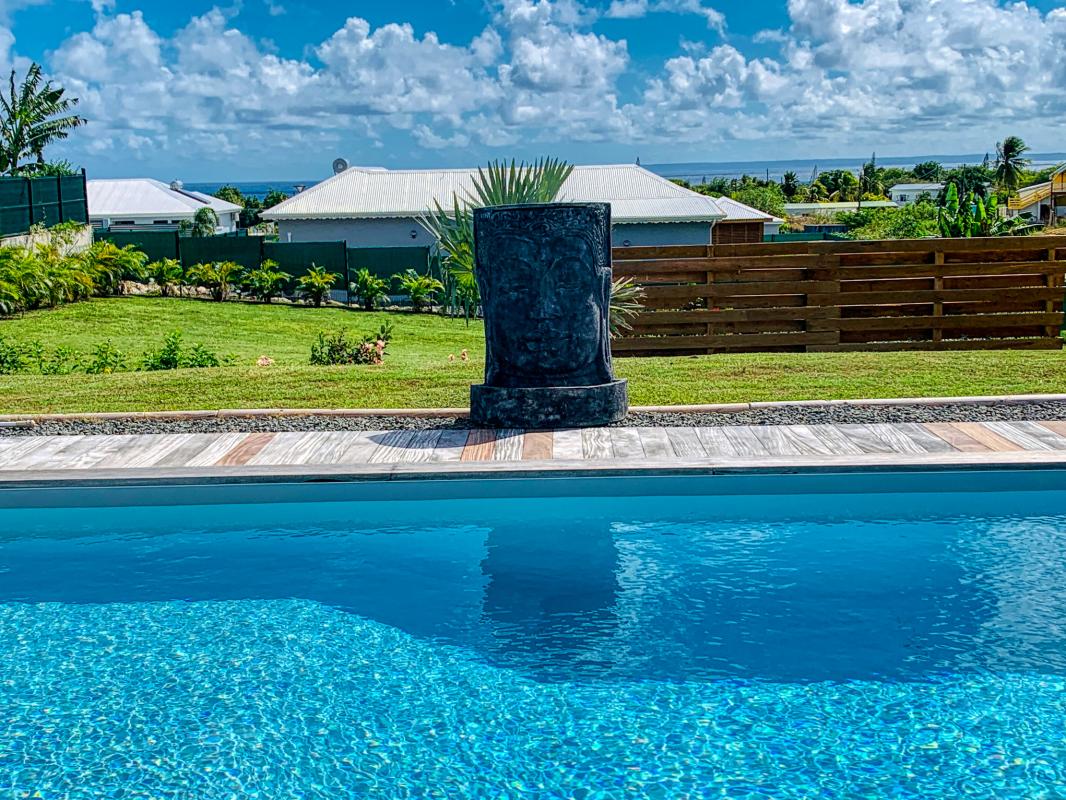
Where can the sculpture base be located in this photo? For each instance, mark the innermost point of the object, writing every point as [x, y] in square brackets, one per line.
[549, 406]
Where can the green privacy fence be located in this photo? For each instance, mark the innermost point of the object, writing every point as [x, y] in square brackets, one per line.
[387, 261]
[157, 245]
[25, 202]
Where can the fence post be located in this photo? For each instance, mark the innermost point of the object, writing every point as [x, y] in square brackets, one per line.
[828, 270]
[1051, 281]
[347, 276]
[938, 305]
[59, 195]
[29, 196]
[85, 194]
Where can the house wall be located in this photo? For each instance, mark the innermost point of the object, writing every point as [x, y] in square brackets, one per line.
[227, 222]
[406, 232]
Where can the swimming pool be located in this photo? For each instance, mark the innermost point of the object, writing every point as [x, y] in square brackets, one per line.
[871, 636]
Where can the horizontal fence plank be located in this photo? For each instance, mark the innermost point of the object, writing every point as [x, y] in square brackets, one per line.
[927, 294]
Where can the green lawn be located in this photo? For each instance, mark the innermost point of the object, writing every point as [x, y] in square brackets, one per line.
[418, 371]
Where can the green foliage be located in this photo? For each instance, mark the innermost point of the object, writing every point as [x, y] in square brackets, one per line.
[204, 223]
[231, 194]
[421, 290]
[12, 357]
[839, 185]
[173, 355]
[266, 281]
[273, 197]
[105, 359]
[913, 221]
[1011, 162]
[109, 265]
[33, 114]
[928, 172]
[217, 277]
[315, 286]
[969, 178]
[339, 348]
[789, 185]
[768, 199]
[626, 303]
[369, 289]
[974, 216]
[167, 274]
[497, 184]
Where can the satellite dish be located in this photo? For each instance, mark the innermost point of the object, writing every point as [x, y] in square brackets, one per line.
[339, 165]
[177, 186]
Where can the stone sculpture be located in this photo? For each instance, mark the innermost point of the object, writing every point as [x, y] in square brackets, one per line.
[544, 272]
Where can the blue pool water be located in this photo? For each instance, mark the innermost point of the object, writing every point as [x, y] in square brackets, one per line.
[764, 646]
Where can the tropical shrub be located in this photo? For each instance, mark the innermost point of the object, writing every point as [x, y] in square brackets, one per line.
[266, 281]
[108, 265]
[975, 216]
[625, 304]
[315, 286]
[12, 357]
[105, 359]
[167, 274]
[369, 289]
[421, 290]
[203, 223]
[338, 348]
[217, 277]
[172, 355]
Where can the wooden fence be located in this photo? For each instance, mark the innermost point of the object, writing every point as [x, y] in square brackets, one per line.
[926, 294]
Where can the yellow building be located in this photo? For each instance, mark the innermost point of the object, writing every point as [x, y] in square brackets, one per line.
[1042, 202]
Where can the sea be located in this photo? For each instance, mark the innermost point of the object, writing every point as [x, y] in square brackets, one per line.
[698, 171]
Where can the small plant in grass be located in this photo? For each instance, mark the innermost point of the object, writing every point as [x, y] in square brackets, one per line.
[199, 357]
[340, 347]
[12, 357]
[62, 361]
[315, 286]
[105, 359]
[217, 277]
[266, 281]
[168, 275]
[173, 355]
[421, 290]
[369, 289]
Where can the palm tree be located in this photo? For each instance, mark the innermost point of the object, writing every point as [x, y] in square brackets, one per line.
[789, 184]
[34, 114]
[1010, 162]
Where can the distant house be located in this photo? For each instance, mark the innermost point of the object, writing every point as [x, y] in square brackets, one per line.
[830, 209]
[139, 204]
[904, 194]
[374, 207]
[743, 224]
[1042, 202]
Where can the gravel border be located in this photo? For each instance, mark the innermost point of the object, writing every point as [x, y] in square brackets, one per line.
[769, 414]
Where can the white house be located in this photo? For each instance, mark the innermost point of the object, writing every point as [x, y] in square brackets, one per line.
[906, 193]
[374, 207]
[1042, 202]
[145, 204]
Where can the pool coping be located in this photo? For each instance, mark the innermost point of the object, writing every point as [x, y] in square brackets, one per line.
[415, 472]
[446, 413]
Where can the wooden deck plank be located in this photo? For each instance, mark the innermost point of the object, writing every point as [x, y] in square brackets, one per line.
[685, 443]
[450, 446]
[656, 443]
[508, 445]
[1049, 437]
[480, 445]
[538, 446]
[249, 447]
[925, 439]
[14, 448]
[776, 440]
[896, 439]
[139, 452]
[329, 447]
[744, 440]
[209, 456]
[626, 443]
[596, 443]
[420, 448]
[287, 448]
[86, 453]
[1057, 426]
[987, 437]
[956, 438]
[567, 445]
[716, 443]
[1020, 435]
[837, 442]
[391, 446]
[48, 447]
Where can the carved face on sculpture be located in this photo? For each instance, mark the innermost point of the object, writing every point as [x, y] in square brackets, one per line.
[544, 273]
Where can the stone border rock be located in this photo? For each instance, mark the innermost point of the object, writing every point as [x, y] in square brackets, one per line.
[21, 420]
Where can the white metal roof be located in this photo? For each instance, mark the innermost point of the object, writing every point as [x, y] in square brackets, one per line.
[917, 187]
[145, 197]
[804, 208]
[635, 195]
[735, 211]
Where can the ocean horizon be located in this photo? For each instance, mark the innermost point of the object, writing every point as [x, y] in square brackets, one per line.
[696, 172]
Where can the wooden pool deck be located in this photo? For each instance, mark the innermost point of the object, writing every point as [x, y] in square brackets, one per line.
[499, 451]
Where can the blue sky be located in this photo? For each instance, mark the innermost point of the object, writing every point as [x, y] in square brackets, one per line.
[271, 89]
